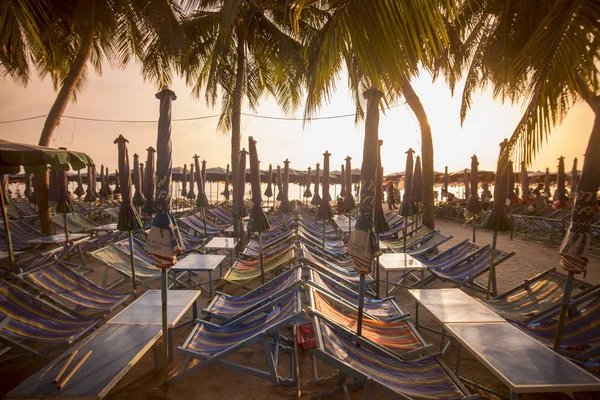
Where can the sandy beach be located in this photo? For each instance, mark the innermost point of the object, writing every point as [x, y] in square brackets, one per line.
[218, 382]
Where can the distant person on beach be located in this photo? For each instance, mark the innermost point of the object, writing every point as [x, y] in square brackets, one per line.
[486, 197]
[340, 205]
[391, 197]
[540, 201]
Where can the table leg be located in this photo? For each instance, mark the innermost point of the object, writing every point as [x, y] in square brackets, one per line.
[195, 311]
[457, 368]
[417, 315]
[156, 356]
[210, 283]
[230, 257]
[514, 396]
[171, 345]
[387, 280]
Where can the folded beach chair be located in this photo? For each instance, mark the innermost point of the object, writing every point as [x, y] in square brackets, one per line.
[117, 259]
[227, 309]
[465, 272]
[373, 367]
[384, 309]
[33, 321]
[244, 272]
[536, 296]
[73, 292]
[212, 343]
[400, 336]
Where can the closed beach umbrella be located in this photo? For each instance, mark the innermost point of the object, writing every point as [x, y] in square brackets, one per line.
[307, 192]
[129, 219]
[407, 207]
[279, 184]
[203, 174]
[117, 184]
[574, 179]
[258, 222]
[466, 181]
[109, 191]
[547, 183]
[149, 183]
[164, 240]
[143, 180]
[191, 194]
[90, 195]
[473, 203]
[380, 223]
[102, 192]
[349, 203]
[239, 208]
[269, 189]
[511, 182]
[343, 182]
[226, 191]
[201, 200]
[524, 183]
[284, 206]
[497, 220]
[138, 197]
[446, 183]
[184, 182]
[561, 196]
[316, 200]
[325, 210]
[363, 245]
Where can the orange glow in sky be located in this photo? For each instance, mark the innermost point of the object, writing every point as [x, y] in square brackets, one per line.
[123, 95]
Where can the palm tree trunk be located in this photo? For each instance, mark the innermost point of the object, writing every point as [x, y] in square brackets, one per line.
[426, 152]
[236, 118]
[52, 120]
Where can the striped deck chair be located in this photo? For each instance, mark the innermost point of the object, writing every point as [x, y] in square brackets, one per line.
[395, 229]
[222, 214]
[117, 259]
[453, 255]
[253, 248]
[535, 296]
[59, 221]
[139, 251]
[73, 292]
[212, 343]
[20, 234]
[384, 309]
[428, 246]
[465, 272]
[25, 209]
[333, 268]
[372, 366]
[112, 213]
[34, 321]
[332, 241]
[191, 242]
[401, 335]
[244, 272]
[416, 237]
[581, 332]
[227, 309]
[334, 249]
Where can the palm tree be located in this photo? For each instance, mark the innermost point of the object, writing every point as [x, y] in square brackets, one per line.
[62, 37]
[238, 50]
[380, 44]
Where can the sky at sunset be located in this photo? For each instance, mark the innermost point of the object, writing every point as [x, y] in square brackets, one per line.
[123, 95]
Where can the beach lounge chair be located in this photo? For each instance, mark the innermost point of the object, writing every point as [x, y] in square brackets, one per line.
[117, 259]
[73, 292]
[384, 309]
[20, 234]
[453, 255]
[412, 238]
[227, 309]
[535, 296]
[465, 272]
[333, 268]
[374, 367]
[400, 336]
[35, 321]
[253, 248]
[428, 245]
[244, 272]
[212, 343]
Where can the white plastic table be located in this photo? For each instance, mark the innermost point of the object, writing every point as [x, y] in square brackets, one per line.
[147, 310]
[222, 243]
[400, 262]
[518, 360]
[195, 263]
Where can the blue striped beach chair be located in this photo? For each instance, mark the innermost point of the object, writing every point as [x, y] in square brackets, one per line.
[212, 343]
[333, 268]
[118, 260]
[430, 245]
[33, 321]
[375, 368]
[20, 234]
[384, 309]
[74, 292]
[227, 309]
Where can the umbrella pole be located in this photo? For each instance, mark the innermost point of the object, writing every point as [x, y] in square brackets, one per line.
[262, 263]
[404, 232]
[324, 223]
[563, 310]
[361, 303]
[217, 201]
[491, 289]
[473, 225]
[204, 218]
[165, 329]
[11, 256]
[210, 192]
[66, 223]
[132, 258]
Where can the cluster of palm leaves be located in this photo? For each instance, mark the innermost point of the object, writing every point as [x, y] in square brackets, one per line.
[542, 51]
